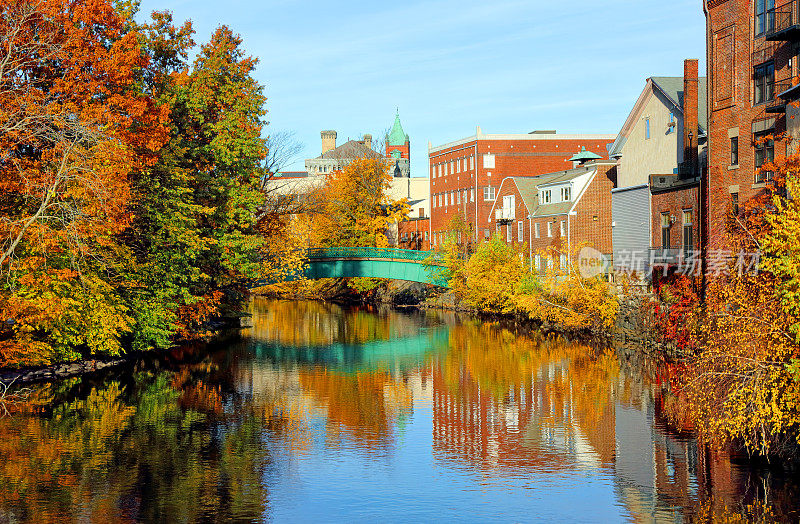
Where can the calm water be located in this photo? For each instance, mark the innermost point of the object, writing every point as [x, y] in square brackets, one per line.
[319, 413]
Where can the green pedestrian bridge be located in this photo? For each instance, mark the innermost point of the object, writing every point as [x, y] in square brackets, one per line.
[373, 262]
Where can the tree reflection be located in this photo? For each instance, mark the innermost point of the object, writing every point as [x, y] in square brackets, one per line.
[157, 449]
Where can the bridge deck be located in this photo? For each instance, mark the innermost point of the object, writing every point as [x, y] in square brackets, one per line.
[351, 262]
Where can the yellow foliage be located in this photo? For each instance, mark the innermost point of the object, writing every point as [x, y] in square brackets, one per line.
[356, 205]
[566, 298]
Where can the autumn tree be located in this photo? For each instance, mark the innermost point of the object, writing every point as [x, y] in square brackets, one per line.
[73, 121]
[357, 206]
[129, 179]
[741, 380]
[195, 232]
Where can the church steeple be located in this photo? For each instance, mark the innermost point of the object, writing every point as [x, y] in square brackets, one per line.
[398, 144]
[396, 136]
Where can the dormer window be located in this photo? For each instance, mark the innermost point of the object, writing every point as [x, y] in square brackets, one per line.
[546, 196]
[566, 194]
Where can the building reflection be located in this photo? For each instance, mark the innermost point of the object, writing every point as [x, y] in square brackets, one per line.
[569, 410]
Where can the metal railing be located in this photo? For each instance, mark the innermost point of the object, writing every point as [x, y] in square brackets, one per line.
[668, 256]
[369, 253]
[782, 21]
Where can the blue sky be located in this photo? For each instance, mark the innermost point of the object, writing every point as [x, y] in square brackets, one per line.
[509, 66]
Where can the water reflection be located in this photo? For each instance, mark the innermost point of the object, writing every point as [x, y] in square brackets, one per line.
[320, 412]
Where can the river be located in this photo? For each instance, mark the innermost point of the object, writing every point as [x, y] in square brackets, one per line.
[324, 413]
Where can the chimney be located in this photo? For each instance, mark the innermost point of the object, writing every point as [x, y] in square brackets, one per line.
[328, 140]
[368, 141]
[691, 129]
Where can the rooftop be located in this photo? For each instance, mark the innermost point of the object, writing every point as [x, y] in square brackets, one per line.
[349, 150]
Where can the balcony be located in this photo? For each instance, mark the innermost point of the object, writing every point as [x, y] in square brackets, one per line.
[785, 26]
[778, 103]
[660, 257]
[504, 215]
[788, 92]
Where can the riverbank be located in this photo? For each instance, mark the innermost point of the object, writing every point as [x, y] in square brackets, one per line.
[65, 370]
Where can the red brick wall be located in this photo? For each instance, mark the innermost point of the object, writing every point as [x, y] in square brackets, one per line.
[416, 234]
[513, 157]
[674, 202]
[592, 224]
[733, 52]
[520, 214]
[404, 150]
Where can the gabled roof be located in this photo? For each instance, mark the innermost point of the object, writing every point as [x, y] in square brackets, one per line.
[671, 87]
[528, 187]
[349, 150]
[397, 136]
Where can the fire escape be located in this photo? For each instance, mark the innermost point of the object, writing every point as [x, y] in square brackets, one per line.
[784, 27]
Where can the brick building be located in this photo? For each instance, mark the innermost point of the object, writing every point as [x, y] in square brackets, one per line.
[466, 174]
[554, 213]
[414, 233]
[752, 61]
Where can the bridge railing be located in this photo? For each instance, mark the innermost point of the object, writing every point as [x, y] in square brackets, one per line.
[370, 253]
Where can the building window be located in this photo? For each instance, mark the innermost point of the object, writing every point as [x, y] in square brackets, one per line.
[487, 233]
[765, 16]
[688, 240]
[671, 123]
[520, 232]
[488, 161]
[549, 229]
[508, 206]
[647, 128]
[546, 197]
[426, 236]
[472, 162]
[735, 151]
[665, 225]
[764, 83]
[764, 154]
[536, 230]
[563, 228]
[472, 194]
[458, 195]
[566, 194]
[538, 262]
[509, 228]
[488, 193]
[735, 204]
[563, 258]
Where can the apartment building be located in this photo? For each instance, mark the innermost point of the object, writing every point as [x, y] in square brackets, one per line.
[753, 48]
[555, 213]
[465, 175]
